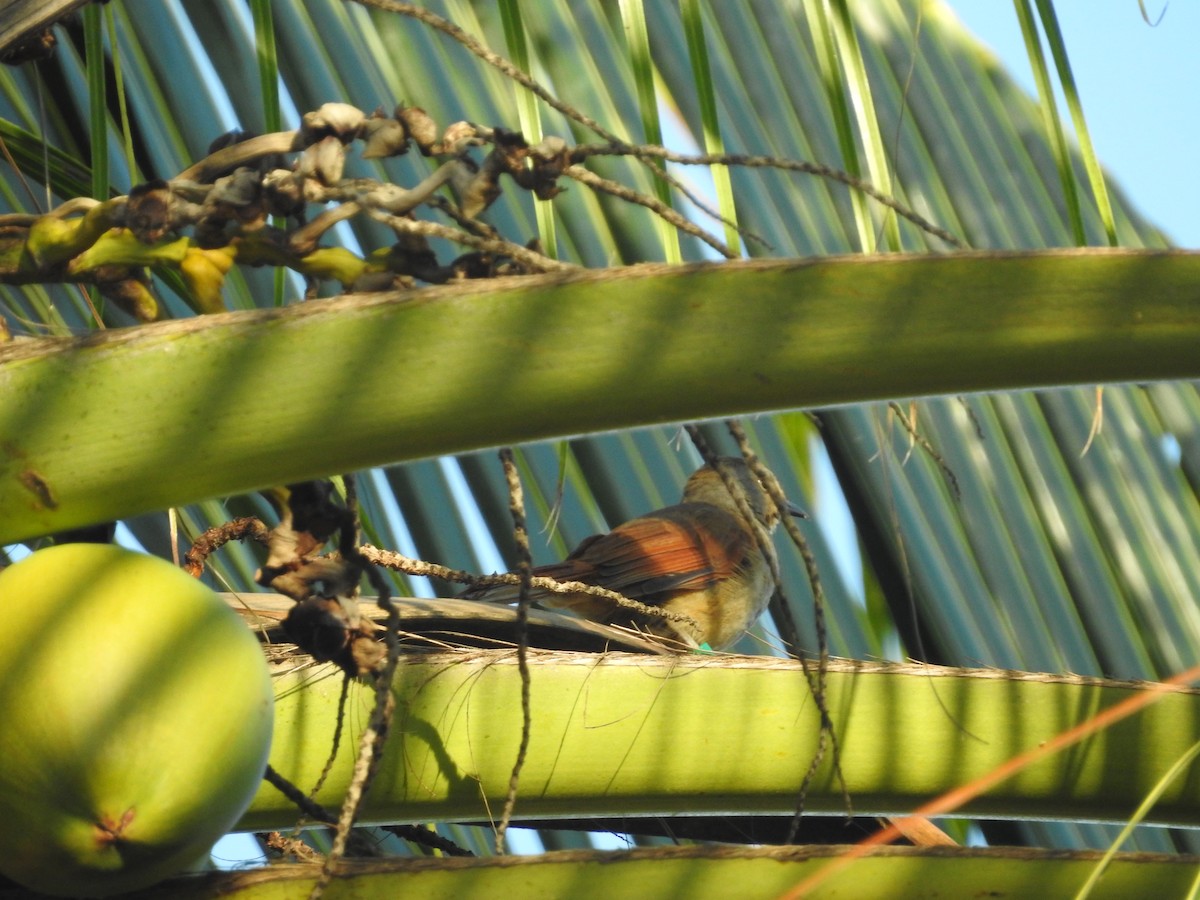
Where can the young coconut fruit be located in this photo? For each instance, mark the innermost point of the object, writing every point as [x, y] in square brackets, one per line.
[135, 720]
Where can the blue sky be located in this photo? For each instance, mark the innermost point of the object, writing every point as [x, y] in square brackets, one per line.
[1140, 88]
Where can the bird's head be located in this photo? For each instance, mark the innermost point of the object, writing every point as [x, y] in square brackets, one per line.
[707, 485]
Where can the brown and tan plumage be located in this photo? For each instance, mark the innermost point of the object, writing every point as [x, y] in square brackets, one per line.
[698, 558]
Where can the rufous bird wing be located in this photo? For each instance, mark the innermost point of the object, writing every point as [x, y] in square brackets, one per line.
[684, 547]
[689, 547]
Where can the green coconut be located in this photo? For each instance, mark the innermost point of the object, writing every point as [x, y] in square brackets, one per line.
[135, 720]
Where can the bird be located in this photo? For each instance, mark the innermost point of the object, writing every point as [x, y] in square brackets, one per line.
[699, 559]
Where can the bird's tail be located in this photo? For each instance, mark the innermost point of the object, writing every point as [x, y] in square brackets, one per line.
[509, 593]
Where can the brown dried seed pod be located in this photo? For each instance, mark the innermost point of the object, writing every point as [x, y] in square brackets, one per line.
[340, 120]
[384, 137]
[148, 211]
[420, 127]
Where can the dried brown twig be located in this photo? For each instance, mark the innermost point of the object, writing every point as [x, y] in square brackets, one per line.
[818, 679]
[649, 151]
[616, 146]
[389, 559]
[516, 505]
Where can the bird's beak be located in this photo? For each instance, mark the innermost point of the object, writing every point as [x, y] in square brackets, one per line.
[795, 511]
